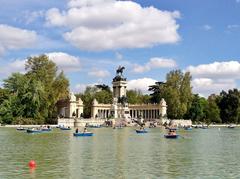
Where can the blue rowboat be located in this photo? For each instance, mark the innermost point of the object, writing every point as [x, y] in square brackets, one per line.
[83, 134]
[188, 128]
[171, 136]
[46, 129]
[33, 131]
[141, 131]
[65, 128]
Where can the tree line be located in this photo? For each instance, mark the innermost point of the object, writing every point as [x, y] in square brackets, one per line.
[31, 98]
[182, 103]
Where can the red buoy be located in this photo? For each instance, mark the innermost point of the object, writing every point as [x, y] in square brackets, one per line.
[32, 164]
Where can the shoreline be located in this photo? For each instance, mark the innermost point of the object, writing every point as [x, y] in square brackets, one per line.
[55, 125]
[30, 126]
[217, 125]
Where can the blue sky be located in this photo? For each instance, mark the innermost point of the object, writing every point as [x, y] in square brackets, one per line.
[89, 39]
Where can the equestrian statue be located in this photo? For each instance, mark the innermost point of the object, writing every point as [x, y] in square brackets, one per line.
[120, 70]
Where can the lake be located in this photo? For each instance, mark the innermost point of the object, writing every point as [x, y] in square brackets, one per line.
[121, 153]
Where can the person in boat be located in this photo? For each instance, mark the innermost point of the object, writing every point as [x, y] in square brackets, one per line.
[76, 130]
[84, 130]
[171, 132]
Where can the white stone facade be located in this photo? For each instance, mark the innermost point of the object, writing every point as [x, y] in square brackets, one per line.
[71, 107]
[119, 109]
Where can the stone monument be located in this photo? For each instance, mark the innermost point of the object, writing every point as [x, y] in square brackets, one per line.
[119, 108]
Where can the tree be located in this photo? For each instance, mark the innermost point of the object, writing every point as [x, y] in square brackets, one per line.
[103, 87]
[55, 86]
[14, 83]
[197, 111]
[213, 112]
[176, 91]
[33, 96]
[136, 97]
[6, 113]
[229, 105]
[4, 94]
[158, 91]
[101, 93]
[43, 69]
[186, 92]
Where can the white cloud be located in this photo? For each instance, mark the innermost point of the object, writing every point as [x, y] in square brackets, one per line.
[15, 38]
[140, 84]
[15, 66]
[82, 3]
[80, 88]
[65, 62]
[228, 69]
[99, 73]
[214, 77]
[108, 24]
[207, 27]
[156, 62]
[30, 17]
[207, 86]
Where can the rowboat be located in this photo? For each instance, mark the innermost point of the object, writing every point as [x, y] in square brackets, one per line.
[141, 131]
[172, 136]
[34, 131]
[65, 128]
[83, 134]
[231, 126]
[46, 129]
[21, 129]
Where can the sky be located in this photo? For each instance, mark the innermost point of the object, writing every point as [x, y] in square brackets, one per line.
[89, 39]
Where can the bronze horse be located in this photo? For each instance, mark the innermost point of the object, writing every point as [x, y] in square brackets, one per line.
[120, 70]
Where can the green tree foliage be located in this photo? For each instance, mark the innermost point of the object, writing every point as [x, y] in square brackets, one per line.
[213, 112]
[104, 97]
[4, 94]
[103, 87]
[32, 96]
[55, 85]
[6, 113]
[229, 105]
[101, 93]
[136, 97]
[176, 91]
[198, 109]
[158, 92]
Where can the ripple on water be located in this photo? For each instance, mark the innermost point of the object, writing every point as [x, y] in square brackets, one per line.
[210, 153]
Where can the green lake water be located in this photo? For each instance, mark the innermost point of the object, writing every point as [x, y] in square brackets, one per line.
[121, 153]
